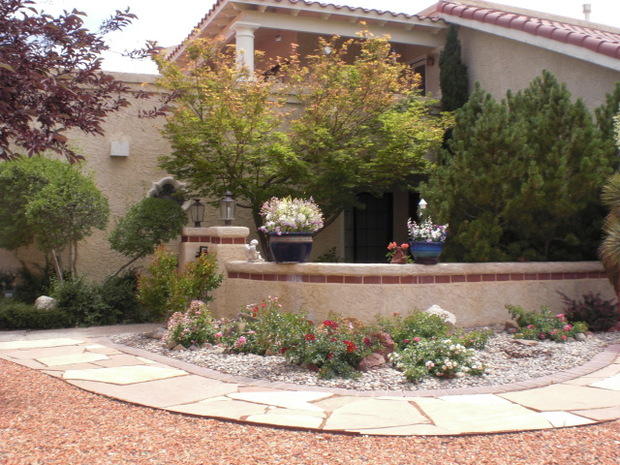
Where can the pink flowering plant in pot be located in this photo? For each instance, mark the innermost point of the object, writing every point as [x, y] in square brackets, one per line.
[544, 325]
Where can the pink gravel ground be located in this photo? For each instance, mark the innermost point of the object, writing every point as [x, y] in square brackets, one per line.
[45, 421]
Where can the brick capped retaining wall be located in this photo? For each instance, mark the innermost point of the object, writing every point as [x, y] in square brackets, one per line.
[475, 292]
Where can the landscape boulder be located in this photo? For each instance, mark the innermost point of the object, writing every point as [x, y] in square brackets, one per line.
[445, 315]
[45, 302]
[371, 361]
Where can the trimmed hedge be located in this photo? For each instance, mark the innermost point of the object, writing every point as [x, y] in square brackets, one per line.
[18, 315]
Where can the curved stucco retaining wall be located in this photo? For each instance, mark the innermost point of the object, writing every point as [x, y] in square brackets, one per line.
[475, 292]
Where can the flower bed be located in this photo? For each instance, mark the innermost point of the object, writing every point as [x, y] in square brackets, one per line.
[266, 341]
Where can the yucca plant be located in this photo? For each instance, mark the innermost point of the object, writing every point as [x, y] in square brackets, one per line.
[609, 250]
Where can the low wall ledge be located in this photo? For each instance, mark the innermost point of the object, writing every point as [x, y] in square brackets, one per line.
[594, 268]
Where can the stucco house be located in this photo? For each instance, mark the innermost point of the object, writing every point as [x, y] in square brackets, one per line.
[503, 47]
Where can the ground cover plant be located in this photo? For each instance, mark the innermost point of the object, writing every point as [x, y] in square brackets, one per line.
[544, 324]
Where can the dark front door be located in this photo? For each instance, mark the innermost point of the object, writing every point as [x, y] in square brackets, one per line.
[369, 229]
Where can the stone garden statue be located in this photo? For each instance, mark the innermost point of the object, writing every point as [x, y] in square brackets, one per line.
[252, 253]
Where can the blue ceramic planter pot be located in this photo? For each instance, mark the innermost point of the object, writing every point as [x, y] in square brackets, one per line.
[290, 247]
[426, 253]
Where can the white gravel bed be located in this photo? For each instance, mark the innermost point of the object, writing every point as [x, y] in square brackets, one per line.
[506, 362]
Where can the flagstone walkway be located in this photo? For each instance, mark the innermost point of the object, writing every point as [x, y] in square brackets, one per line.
[87, 359]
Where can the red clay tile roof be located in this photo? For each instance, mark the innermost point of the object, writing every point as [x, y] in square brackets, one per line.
[360, 10]
[597, 40]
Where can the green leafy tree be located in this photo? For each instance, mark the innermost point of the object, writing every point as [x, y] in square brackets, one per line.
[56, 211]
[524, 178]
[363, 126]
[360, 127]
[147, 224]
[224, 129]
[453, 79]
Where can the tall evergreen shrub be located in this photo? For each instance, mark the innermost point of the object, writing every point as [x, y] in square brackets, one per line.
[452, 73]
[524, 180]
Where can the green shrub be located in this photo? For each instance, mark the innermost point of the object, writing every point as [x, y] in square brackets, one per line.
[163, 290]
[194, 282]
[19, 315]
[544, 324]
[265, 328]
[31, 284]
[83, 301]
[194, 326]
[599, 314]
[147, 224]
[334, 348]
[415, 325]
[444, 358]
[155, 287]
[119, 292]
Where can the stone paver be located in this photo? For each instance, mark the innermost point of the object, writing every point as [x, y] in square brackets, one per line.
[374, 413]
[124, 374]
[296, 400]
[564, 397]
[483, 414]
[613, 382]
[92, 365]
[294, 421]
[84, 357]
[562, 419]
[33, 354]
[162, 393]
[221, 408]
[38, 343]
[600, 414]
[119, 361]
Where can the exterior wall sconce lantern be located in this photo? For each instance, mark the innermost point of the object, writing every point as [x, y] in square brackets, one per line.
[421, 207]
[227, 208]
[197, 212]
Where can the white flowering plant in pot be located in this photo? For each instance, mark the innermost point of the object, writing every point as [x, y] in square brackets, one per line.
[291, 215]
[427, 231]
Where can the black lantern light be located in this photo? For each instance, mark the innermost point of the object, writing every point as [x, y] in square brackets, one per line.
[227, 208]
[197, 212]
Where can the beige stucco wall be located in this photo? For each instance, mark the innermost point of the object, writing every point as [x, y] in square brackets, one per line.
[473, 303]
[123, 180]
[500, 64]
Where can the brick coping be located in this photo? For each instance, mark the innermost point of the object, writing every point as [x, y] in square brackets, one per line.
[414, 279]
[599, 361]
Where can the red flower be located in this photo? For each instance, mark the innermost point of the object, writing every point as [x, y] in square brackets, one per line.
[351, 347]
[330, 356]
[283, 350]
[310, 337]
[392, 245]
[367, 341]
[404, 245]
[406, 341]
[330, 324]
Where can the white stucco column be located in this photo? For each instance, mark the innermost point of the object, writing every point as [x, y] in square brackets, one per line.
[244, 41]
